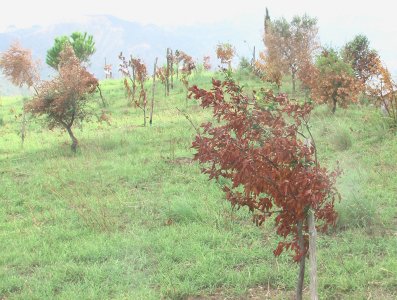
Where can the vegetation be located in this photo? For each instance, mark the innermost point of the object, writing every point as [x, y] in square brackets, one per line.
[265, 164]
[290, 46]
[130, 215]
[63, 100]
[363, 60]
[225, 53]
[331, 80]
[82, 44]
[149, 225]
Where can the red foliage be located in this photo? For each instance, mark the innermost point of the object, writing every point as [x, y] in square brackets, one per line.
[256, 146]
[187, 67]
[138, 73]
[383, 89]
[63, 100]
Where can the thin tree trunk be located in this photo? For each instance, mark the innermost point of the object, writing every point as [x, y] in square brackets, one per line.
[144, 116]
[172, 69]
[102, 98]
[153, 89]
[312, 255]
[293, 84]
[73, 138]
[301, 276]
[23, 125]
[167, 73]
[333, 105]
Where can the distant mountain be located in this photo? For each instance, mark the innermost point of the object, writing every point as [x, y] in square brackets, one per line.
[112, 35]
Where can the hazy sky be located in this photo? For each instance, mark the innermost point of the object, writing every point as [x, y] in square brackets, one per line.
[338, 20]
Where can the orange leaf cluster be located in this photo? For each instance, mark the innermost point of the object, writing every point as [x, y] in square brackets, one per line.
[382, 88]
[268, 69]
[331, 83]
[19, 67]
[225, 52]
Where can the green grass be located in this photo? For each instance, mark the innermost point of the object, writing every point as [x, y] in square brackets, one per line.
[130, 216]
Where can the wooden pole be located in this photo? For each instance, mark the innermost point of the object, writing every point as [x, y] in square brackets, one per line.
[167, 73]
[312, 255]
[172, 69]
[153, 89]
[301, 275]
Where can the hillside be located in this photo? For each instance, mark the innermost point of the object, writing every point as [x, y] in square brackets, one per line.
[130, 216]
[112, 35]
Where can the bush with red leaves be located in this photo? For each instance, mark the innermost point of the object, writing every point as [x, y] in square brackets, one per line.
[260, 146]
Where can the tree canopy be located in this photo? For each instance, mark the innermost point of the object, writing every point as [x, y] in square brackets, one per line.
[289, 46]
[82, 44]
[63, 100]
[19, 67]
[363, 60]
[331, 80]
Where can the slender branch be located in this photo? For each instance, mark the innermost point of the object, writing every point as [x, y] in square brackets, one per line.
[190, 120]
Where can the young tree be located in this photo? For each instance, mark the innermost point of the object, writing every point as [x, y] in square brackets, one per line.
[125, 66]
[169, 70]
[256, 146]
[187, 68]
[139, 72]
[225, 52]
[178, 57]
[64, 99]
[160, 74]
[206, 63]
[291, 45]
[362, 59]
[332, 81]
[82, 43]
[153, 90]
[267, 68]
[383, 89]
[19, 67]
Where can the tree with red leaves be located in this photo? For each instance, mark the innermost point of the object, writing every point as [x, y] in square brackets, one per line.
[139, 73]
[260, 146]
[266, 67]
[64, 99]
[225, 52]
[383, 90]
[18, 66]
[290, 45]
[331, 80]
[187, 67]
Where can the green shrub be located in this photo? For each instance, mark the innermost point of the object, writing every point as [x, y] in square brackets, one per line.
[182, 211]
[356, 212]
[341, 140]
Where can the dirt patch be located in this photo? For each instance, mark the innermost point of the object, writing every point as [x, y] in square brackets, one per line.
[181, 161]
[256, 293]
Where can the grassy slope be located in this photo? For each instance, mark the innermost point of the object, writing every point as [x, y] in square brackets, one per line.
[130, 216]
